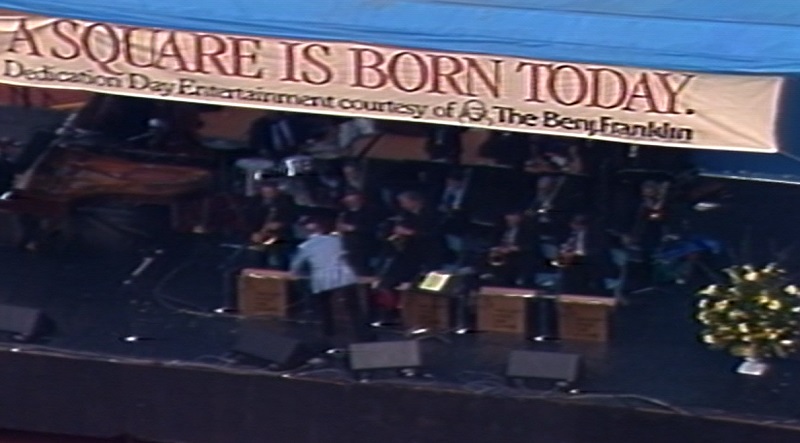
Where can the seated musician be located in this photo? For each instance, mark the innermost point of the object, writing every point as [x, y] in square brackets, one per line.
[358, 224]
[328, 186]
[515, 256]
[550, 208]
[645, 226]
[455, 207]
[352, 129]
[275, 136]
[555, 156]
[443, 143]
[506, 148]
[582, 259]
[415, 246]
[353, 176]
[275, 213]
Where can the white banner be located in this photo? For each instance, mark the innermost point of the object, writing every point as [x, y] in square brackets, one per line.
[621, 104]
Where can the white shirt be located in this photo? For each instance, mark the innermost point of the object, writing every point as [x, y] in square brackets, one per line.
[325, 257]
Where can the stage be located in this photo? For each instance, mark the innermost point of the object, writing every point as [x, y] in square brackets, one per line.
[654, 379]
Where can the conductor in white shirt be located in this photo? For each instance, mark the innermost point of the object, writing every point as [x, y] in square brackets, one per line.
[322, 258]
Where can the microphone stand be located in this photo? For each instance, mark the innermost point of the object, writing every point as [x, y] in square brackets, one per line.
[139, 305]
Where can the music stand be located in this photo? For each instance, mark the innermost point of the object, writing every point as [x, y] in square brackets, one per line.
[450, 285]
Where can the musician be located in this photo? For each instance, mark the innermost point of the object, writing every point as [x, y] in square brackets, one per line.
[357, 223]
[443, 143]
[506, 148]
[275, 213]
[646, 227]
[415, 246]
[552, 205]
[454, 206]
[275, 136]
[323, 255]
[329, 186]
[581, 259]
[516, 255]
[353, 175]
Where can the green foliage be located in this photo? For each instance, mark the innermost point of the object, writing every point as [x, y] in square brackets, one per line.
[756, 314]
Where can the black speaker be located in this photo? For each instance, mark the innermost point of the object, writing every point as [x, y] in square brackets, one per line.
[554, 366]
[24, 323]
[404, 354]
[284, 352]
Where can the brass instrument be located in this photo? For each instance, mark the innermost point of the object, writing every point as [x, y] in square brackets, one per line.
[398, 241]
[340, 219]
[269, 236]
[545, 206]
[498, 257]
[564, 259]
[567, 254]
[656, 212]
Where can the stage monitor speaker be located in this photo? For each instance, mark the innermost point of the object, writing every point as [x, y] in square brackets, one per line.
[24, 323]
[283, 352]
[554, 366]
[404, 354]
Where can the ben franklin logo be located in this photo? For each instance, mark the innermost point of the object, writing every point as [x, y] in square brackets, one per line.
[475, 111]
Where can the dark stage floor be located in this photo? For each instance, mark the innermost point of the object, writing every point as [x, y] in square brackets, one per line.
[654, 359]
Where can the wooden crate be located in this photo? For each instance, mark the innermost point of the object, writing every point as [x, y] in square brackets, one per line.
[264, 292]
[504, 310]
[584, 318]
[423, 310]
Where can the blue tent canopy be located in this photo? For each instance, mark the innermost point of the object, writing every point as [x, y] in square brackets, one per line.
[715, 36]
[723, 36]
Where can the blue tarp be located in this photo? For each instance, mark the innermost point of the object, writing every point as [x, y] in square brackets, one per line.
[724, 36]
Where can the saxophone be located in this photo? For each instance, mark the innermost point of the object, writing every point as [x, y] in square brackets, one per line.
[656, 212]
[567, 255]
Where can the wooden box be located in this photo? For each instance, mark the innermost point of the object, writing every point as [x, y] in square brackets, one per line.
[584, 318]
[504, 309]
[423, 310]
[264, 292]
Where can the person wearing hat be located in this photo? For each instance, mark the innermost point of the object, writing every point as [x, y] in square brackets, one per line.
[322, 258]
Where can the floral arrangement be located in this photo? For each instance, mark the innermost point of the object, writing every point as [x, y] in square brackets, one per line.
[756, 315]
